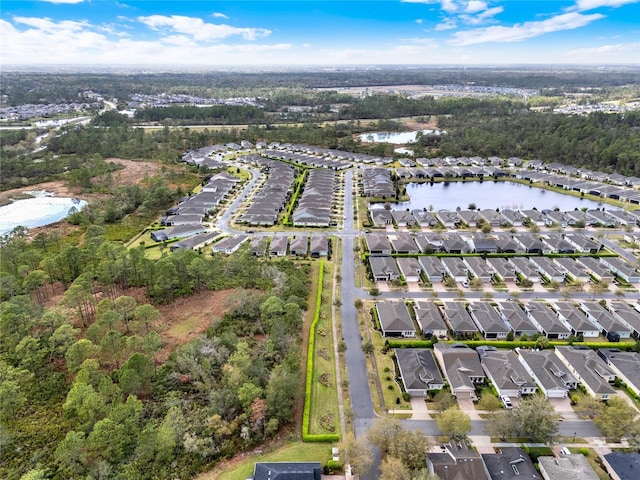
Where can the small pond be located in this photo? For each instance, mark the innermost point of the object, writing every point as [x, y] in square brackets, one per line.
[489, 194]
[397, 138]
[41, 210]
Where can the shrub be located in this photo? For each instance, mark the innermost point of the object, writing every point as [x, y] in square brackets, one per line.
[584, 451]
[334, 465]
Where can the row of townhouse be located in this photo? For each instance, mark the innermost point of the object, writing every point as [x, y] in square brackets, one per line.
[310, 160]
[494, 321]
[315, 205]
[274, 193]
[315, 246]
[377, 182]
[453, 219]
[385, 268]
[515, 243]
[514, 373]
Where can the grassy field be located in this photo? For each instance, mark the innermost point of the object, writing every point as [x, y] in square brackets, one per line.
[324, 397]
[297, 452]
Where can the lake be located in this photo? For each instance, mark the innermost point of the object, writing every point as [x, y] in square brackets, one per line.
[42, 210]
[397, 138]
[489, 194]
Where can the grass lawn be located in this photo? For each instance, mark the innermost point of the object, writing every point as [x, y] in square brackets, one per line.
[184, 328]
[386, 369]
[324, 393]
[297, 452]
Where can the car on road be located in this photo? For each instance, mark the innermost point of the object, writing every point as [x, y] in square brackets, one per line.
[506, 401]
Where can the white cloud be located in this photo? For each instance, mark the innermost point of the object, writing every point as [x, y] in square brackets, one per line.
[219, 15]
[419, 21]
[521, 31]
[447, 24]
[475, 6]
[200, 30]
[621, 49]
[583, 5]
[482, 17]
[32, 41]
[449, 6]
[63, 1]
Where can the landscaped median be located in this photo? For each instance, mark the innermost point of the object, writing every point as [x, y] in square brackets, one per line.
[320, 422]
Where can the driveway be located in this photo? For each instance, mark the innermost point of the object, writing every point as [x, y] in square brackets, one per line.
[419, 408]
[467, 406]
[562, 406]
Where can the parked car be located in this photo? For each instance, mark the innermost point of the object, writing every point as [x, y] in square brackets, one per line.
[506, 401]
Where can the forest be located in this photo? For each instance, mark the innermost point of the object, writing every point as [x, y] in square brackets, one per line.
[34, 87]
[88, 385]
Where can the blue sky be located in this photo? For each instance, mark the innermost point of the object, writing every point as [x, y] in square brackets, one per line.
[263, 33]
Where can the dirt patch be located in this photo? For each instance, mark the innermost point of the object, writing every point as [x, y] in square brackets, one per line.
[132, 173]
[187, 318]
[432, 124]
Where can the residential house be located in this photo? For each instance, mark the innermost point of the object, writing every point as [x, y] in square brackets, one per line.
[557, 244]
[428, 242]
[196, 242]
[506, 244]
[571, 269]
[461, 367]
[299, 246]
[589, 369]
[525, 269]
[564, 467]
[402, 243]
[409, 268]
[555, 217]
[455, 268]
[531, 244]
[626, 366]
[319, 246]
[454, 243]
[381, 217]
[510, 463]
[575, 319]
[430, 320]
[287, 471]
[384, 269]
[534, 217]
[181, 231]
[482, 243]
[469, 217]
[583, 243]
[278, 246]
[403, 218]
[230, 245]
[378, 244]
[595, 269]
[547, 269]
[600, 218]
[460, 322]
[502, 269]
[492, 217]
[258, 246]
[488, 321]
[432, 268]
[419, 371]
[506, 373]
[395, 320]
[546, 321]
[609, 324]
[425, 218]
[516, 319]
[449, 219]
[622, 466]
[551, 375]
[513, 217]
[621, 269]
[629, 316]
[457, 461]
[478, 268]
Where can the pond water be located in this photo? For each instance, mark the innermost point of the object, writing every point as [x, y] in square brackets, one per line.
[397, 138]
[41, 210]
[489, 194]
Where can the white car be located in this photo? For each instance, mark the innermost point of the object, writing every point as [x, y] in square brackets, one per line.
[506, 401]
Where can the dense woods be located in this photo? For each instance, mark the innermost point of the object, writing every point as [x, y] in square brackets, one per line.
[82, 386]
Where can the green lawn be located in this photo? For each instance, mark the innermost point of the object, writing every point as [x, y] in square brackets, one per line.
[297, 452]
[324, 398]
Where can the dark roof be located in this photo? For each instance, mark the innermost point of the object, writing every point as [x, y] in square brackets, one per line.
[626, 465]
[287, 471]
[511, 463]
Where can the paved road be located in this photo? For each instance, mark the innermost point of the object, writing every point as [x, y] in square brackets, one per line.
[223, 221]
[359, 391]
